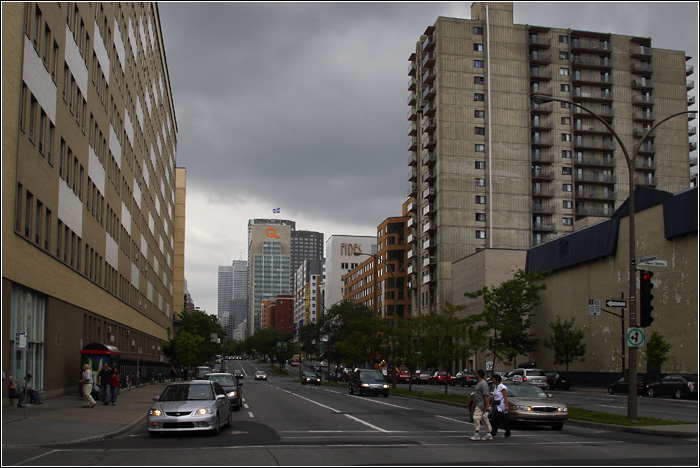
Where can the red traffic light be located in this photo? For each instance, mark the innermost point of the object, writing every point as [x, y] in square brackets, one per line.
[647, 275]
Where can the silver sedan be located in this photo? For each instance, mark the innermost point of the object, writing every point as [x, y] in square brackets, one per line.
[528, 403]
[190, 406]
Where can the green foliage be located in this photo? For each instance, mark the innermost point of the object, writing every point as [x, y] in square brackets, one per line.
[507, 315]
[193, 346]
[566, 342]
[657, 350]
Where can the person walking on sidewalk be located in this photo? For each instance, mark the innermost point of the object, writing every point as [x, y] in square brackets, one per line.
[500, 401]
[86, 382]
[103, 380]
[481, 411]
[114, 382]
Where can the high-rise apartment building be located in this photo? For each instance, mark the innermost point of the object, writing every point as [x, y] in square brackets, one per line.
[308, 293]
[88, 186]
[232, 295]
[491, 167]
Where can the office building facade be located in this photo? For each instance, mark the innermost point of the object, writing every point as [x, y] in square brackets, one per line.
[492, 167]
[343, 254]
[308, 293]
[89, 186]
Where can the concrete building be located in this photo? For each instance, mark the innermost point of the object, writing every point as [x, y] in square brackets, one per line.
[88, 187]
[593, 263]
[232, 295]
[492, 168]
[344, 253]
[179, 235]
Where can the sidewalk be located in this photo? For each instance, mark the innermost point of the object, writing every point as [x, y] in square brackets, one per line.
[62, 419]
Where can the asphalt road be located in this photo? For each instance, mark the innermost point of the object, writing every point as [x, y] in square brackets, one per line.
[286, 423]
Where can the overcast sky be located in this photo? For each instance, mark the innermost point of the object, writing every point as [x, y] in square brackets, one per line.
[302, 106]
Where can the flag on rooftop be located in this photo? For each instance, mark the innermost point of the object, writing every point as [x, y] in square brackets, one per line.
[276, 210]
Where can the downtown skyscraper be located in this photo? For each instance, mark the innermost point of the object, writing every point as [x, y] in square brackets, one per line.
[492, 167]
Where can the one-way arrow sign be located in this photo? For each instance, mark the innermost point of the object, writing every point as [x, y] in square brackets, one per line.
[615, 303]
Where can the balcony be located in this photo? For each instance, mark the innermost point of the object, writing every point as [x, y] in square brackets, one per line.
[641, 51]
[644, 84]
[542, 227]
[428, 93]
[539, 174]
[412, 67]
[538, 74]
[539, 88]
[427, 279]
[538, 140]
[640, 67]
[643, 116]
[591, 128]
[692, 131]
[428, 44]
[429, 142]
[542, 208]
[544, 108]
[429, 159]
[428, 60]
[690, 85]
[412, 129]
[429, 175]
[604, 195]
[582, 210]
[645, 165]
[591, 143]
[639, 132]
[411, 114]
[429, 193]
[429, 261]
[540, 42]
[591, 45]
[647, 148]
[595, 178]
[594, 161]
[643, 100]
[412, 84]
[540, 57]
[543, 192]
[541, 124]
[646, 181]
[413, 160]
[412, 176]
[542, 157]
[429, 125]
[411, 99]
[411, 207]
[596, 79]
[604, 63]
[429, 75]
[410, 224]
[429, 108]
[692, 146]
[412, 190]
[593, 95]
[689, 70]
[412, 144]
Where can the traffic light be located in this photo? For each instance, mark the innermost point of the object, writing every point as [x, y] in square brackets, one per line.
[645, 297]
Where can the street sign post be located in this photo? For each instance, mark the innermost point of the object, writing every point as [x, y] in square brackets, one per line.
[653, 263]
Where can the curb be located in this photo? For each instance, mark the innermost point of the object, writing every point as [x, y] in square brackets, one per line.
[636, 430]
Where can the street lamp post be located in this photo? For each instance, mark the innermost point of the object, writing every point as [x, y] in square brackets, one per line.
[393, 276]
[630, 159]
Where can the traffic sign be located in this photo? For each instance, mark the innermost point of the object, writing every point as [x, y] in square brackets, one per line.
[653, 263]
[635, 337]
[616, 303]
[593, 306]
[20, 341]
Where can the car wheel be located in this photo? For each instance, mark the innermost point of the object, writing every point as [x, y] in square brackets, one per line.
[651, 392]
[351, 390]
[557, 426]
[229, 421]
[217, 426]
[463, 385]
[238, 406]
[386, 395]
[678, 394]
[611, 391]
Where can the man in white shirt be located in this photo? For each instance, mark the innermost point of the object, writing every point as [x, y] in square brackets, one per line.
[87, 381]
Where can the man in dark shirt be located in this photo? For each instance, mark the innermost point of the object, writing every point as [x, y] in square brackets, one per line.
[103, 379]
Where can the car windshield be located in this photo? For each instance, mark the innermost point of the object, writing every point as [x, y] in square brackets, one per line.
[371, 375]
[187, 392]
[204, 370]
[312, 375]
[526, 391]
[222, 379]
[260, 373]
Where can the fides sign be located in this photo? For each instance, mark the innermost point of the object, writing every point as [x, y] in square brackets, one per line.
[350, 249]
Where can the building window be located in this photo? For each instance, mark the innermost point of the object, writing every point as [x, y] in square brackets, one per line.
[479, 165]
[479, 131]
[568, 221]
[566, 137]
[565, 88]
[479, 114]
[480, 199]
[564, 55]
[480, 182]
[478, 64]
[480, 234]
[480, 216]
[478, 47]
[566, 171]
[480, 148]
[478, 31]
[563, 71]
[478, 80]
[566, 187]
[566, 120]
[568, 204]
[563, 39]
[479, 97]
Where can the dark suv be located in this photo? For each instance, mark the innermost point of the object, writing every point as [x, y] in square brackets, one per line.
[368, 381]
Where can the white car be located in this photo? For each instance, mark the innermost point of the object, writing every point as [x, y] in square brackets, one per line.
[531, 376]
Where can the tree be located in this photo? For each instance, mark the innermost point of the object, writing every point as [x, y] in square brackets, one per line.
[566, 342]
[657, 350]
[193, 345]
[507, 315]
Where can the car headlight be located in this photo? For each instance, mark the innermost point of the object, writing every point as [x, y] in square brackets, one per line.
[562, 409]
[155, 412]
[521, 407]
[204, 411]
[365, 385]
[231, 394]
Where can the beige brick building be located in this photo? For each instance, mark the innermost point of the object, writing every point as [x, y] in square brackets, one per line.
[491, 168]
[88, 187]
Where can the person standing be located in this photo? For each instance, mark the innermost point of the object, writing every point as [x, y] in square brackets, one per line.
[482, 407]
[103, 380]
[172, 373]
[87, 382]
[500, 401]
[114, 382]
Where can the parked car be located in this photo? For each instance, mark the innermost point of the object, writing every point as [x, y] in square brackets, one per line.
[310, 377]
[200, 372]
[556, 380]
[622, 386]
[403, 377]
[231, 386]
[260, 375]
[420, 377]
[190, 406]
[439, 378]
[368, 381]
[531, 376]
[675, 385]
[463, 378]
[529, 403]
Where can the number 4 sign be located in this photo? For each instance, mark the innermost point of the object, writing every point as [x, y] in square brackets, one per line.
[635, 337]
